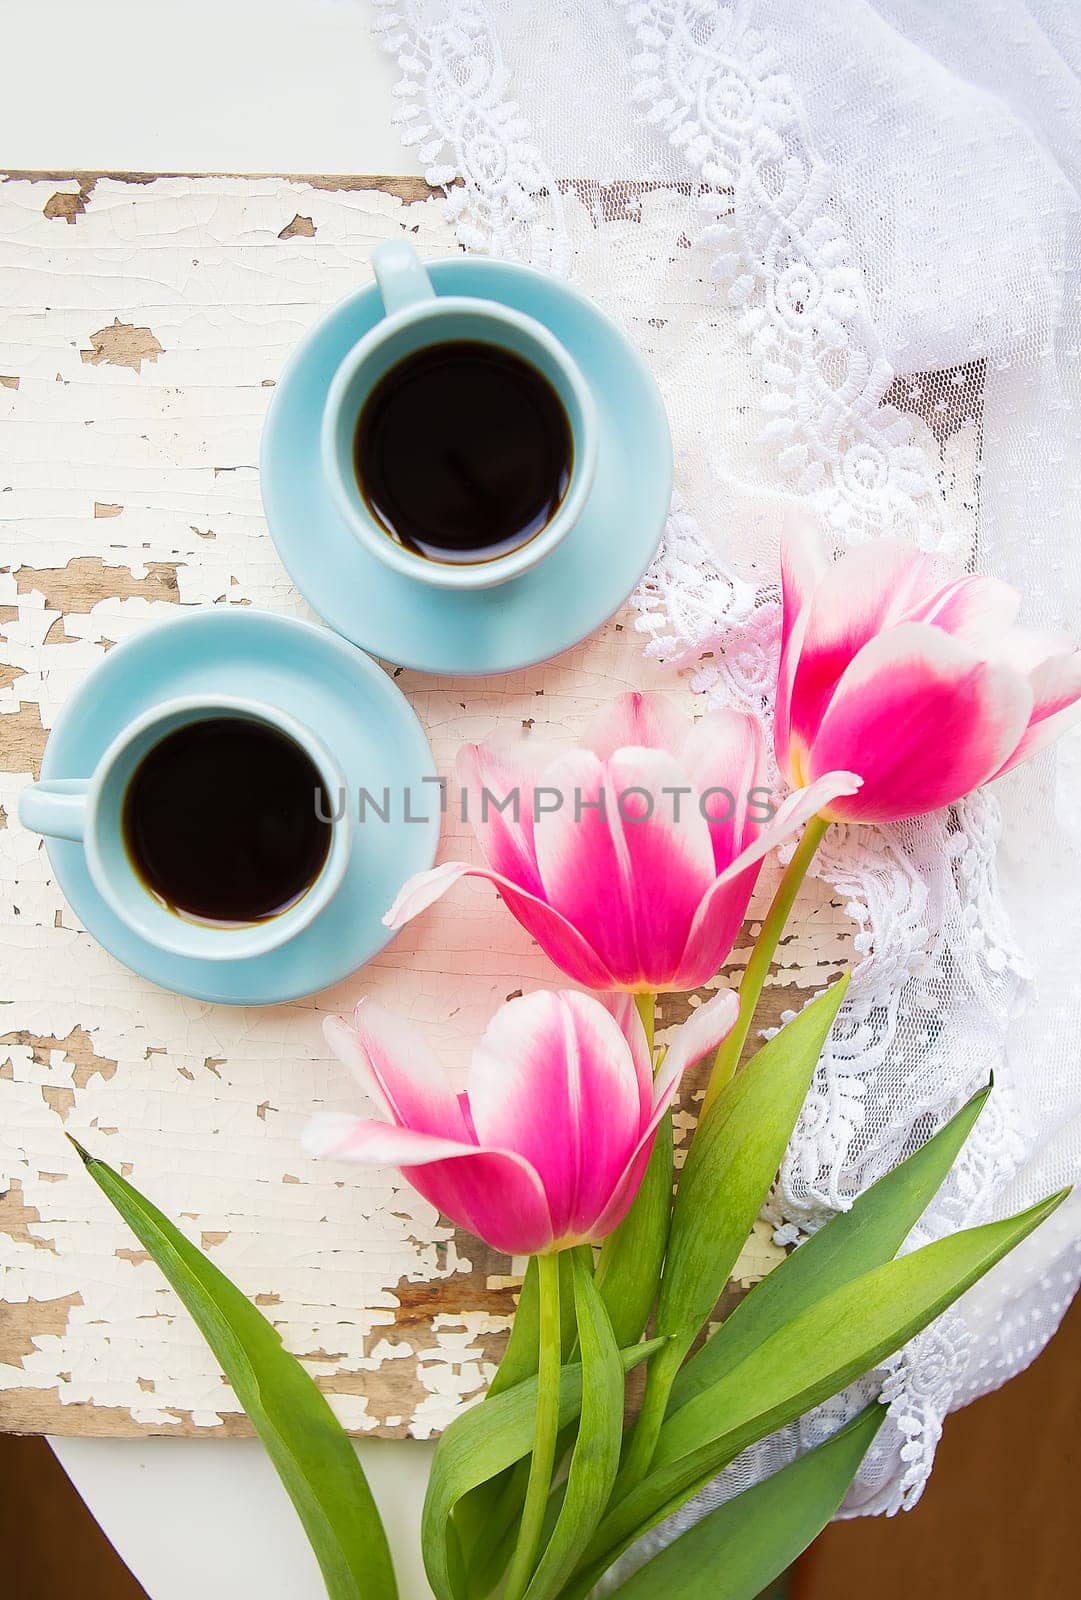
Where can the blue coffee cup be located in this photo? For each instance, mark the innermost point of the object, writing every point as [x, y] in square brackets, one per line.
[417, 318]
[89, 811]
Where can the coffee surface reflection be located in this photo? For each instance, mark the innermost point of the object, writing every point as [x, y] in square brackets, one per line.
[222, 821]
[463, 452]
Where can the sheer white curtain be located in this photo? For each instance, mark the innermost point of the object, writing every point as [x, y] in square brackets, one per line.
[846, 237]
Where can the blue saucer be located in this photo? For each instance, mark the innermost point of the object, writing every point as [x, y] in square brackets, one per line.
[353, 707]
[532, 617]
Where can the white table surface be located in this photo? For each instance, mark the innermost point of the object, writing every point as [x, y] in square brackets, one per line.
[209, 1518]
[189, 86]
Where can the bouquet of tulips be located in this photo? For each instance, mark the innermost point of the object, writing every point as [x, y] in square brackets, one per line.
[902, 686]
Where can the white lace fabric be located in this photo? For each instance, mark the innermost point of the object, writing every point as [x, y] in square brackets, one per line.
[846, 238]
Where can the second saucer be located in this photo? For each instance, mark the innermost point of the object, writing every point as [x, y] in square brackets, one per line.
[545, 609]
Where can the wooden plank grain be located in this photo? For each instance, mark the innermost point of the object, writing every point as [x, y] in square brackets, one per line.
[148, 319]
[998, 1518]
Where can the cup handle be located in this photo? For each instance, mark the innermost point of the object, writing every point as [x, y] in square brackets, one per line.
[57, 809]
[400, 275]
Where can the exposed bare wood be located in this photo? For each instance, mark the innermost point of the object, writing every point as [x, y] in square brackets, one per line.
[132, 490]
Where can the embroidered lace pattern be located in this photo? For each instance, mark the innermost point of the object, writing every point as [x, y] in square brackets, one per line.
[877, 417]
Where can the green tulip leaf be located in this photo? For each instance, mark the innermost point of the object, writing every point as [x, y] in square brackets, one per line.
[520, 1357]
[851, 1243]
[485, 1517]
[629, 1268]
[311, 1452]
[483, 1442]
[737, 1148]
[734, 1156]
[595, 1461]
[735, 1552]
[815, 1355]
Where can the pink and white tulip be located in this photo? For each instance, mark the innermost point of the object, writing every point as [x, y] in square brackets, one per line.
[644, 895]
[549, 1143]
[902, 668]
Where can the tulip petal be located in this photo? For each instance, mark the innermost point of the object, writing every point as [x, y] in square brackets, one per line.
[556, 936]
[803, 563]
[869, 589]
[377, 1144]
[618, 866]
[923, 719]
[500, 797]
[394, 1065]
[1056, 687]
[703, 1031]
[341, 1036]
[794, 810]
[716, 928]
[626, 1188]
[553, 1079]
[723, 907]
[622, 1006]
[493, 1193]
[423, 889]
[977, 610]
[724, 753]
[644, 721]
[788, 755]
[1026, 648]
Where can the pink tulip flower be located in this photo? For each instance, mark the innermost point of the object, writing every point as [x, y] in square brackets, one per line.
[548, 1145]
[914, 674]
[639, 878]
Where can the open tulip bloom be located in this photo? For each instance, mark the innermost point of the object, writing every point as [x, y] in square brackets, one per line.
[903, 685]
[639, 877]
[545, 1150]
[913, 674]
[547, 1146]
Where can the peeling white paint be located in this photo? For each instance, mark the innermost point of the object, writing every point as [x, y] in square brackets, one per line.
[206, 1104]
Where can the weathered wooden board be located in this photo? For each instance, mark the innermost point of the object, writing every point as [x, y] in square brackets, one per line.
[146, 321]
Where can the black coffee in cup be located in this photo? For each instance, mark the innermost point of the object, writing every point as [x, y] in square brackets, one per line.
[463, 452]
[221, 821]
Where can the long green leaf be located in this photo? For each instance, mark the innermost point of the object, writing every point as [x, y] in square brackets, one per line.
[485, 1441]
[308, 1446]
[853, 1242]
[733, 1159]
[737, 1148]
[520, 1357]
[737, 1550]
[485, 1516]
[631, 1258]
[803, 1363]
[596, 1453]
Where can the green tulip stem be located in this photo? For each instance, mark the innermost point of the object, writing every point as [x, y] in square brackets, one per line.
[761, 959]
[649, 1421]
[646, 1005]
[531, 1526]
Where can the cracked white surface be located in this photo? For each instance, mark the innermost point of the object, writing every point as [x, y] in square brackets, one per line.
[202, 1105]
